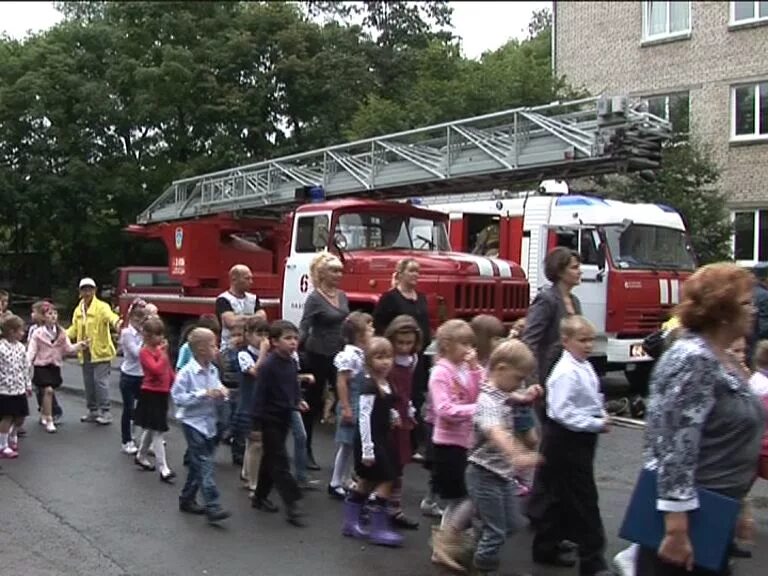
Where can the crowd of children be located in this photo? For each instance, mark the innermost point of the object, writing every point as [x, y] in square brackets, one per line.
[483, 442]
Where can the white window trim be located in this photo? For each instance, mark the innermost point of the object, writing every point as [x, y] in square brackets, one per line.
[755, 237]
[733, 23]
[755, 136]
[667, 97]
[679, 34]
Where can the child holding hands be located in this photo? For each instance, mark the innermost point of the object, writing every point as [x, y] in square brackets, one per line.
[15, 384]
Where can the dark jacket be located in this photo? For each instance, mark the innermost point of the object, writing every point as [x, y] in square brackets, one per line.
[542, 329]
[277, 393]
[392, 304]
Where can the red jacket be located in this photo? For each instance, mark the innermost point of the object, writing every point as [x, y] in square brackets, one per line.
[158, 374]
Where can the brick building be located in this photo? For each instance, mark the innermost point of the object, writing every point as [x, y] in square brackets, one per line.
[702, 65]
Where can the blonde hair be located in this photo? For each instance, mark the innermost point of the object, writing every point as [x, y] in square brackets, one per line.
[320, 264]
[198, 336]
[378, 347]
[570, 326]
[453, 332]
[401, 267]
[514, 353]
[12, 322]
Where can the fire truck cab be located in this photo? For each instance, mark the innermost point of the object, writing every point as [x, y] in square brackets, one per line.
[634, 258]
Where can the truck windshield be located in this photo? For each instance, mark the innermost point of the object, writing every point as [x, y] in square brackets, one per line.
[386, 231]
[649, 247]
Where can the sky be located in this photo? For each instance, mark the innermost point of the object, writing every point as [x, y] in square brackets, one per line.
[483, 26]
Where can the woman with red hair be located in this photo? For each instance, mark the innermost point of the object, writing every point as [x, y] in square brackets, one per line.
[704, 426]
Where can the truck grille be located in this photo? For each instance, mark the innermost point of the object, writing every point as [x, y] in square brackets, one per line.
[645, 321]
[505, 300]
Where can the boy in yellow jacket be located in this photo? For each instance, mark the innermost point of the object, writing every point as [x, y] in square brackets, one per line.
[92, 322]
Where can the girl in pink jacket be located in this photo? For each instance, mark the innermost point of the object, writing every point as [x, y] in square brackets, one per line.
[47, 348]
[454, 384]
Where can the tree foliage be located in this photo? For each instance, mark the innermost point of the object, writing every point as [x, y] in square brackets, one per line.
[99, 114]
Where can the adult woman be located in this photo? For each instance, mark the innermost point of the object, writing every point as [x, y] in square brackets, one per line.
[562, 267]
[704, 426]
[403, 298]
[320, 332]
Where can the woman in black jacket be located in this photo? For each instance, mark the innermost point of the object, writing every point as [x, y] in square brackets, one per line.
[562, 267]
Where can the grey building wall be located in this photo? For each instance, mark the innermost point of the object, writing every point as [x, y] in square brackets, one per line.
[600, 46]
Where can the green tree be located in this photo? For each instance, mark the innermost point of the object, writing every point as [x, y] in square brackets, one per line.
[686, 182]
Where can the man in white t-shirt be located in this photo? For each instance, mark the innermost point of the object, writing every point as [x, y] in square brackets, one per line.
[237, 303]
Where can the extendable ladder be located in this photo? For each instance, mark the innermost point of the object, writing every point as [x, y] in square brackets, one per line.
[560, 140]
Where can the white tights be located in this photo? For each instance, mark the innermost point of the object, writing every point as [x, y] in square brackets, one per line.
[154, 439]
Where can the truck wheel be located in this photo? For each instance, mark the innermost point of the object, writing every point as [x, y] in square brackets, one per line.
[639, 378]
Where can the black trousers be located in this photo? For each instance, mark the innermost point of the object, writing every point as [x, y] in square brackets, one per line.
[275, 467]
[324, 372]
[649, 564]
[564, 503]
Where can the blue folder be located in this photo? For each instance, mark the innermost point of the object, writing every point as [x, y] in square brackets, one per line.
[710, 527]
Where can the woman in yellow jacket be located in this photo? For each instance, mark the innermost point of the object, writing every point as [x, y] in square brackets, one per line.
[92, 322]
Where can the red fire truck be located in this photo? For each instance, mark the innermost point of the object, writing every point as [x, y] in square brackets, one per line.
[275, 215]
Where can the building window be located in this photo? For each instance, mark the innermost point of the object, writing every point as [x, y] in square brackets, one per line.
[750, 236]
[749, 111]
[666, 20]
[748, 12]
[672, 107]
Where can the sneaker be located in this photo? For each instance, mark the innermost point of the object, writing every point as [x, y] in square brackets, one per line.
[215, 516]
[8, 454]
[90, 417]
[430, 508]
[624, 562]
[417, 457]
[104, 418]
[129, 448]
[50, 427]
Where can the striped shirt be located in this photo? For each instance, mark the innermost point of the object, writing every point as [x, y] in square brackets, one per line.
[492, 411]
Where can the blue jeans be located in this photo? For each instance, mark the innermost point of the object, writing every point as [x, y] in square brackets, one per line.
[299, 447]
[496, 505]
[200, 451]
[130, 386]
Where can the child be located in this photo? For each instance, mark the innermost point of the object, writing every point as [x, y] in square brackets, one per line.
[131, 375]
[208, 321]
[229, 372]
[453, 385]
[37, 317]
[405, 336]
[576, 416]
[357, 331]
[152, 407]
[375, 455]
[15, 385]
[277, 397]
[250, 360]
[196, 391]
[489, 333]
[48, 345]
[496, 455]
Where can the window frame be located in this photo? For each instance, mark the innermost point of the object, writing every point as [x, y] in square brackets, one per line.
[667, 35]
[667, 101]
[756, 19]
[756, 235]
[754, 136]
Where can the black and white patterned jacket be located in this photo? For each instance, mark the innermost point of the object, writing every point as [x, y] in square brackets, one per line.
[704, 426]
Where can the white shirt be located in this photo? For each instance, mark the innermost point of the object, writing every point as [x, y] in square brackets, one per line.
[758, 383]
[131, 341]
[573, 395]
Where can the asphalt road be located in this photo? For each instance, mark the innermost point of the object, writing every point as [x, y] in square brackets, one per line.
[72, 504]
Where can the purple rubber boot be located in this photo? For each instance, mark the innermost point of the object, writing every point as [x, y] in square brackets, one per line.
[381, 532]
[351, 526]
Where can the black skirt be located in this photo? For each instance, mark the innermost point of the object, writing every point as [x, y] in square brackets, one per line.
[384, 468]
[448, 467]
[15, 406]
[152, 411]
[47, 376]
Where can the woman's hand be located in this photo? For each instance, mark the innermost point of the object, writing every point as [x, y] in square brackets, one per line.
[676, 549]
